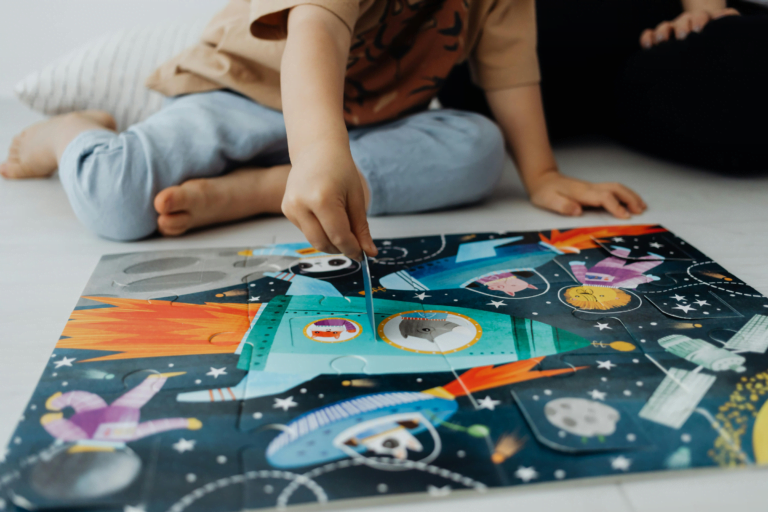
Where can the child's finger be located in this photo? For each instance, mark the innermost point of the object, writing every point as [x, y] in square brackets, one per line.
[607, 200]
[313, 230]
[629, 197]
[335, 222]
[359, 223]
[614, 207]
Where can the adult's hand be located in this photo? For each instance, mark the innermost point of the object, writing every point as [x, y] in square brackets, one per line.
[680, 27]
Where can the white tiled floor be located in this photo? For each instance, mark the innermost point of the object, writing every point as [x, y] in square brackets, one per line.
[46, 258]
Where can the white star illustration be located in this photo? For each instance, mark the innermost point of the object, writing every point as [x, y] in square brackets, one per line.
[215, 372]
[684, 308]
[284, 403]
[678, 297]
[526, 474]
[602, 326]
[184, 445]
[254, 299]
[64, 361]
[702, 303]
[421, 296]
[605, 365]
[621, 463]
[596, 395]
[656, 245]
[488, 403]
[496, 303]
[387, 242]
[438, 492]
[617, 239]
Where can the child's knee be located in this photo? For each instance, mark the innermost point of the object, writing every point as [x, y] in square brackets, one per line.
[109, 187]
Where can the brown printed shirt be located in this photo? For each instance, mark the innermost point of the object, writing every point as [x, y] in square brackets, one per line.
[400, 55]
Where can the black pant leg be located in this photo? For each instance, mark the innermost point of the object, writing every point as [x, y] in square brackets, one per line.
[702, 101]
[582, 48]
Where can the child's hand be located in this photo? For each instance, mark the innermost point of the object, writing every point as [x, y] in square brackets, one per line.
[553, 191]
[689, 21]
[324, 199]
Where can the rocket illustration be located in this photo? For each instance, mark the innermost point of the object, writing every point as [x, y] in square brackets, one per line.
[288, 344]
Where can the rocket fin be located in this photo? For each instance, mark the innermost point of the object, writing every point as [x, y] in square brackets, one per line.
[402, 280]
[253, 385]
[481, 250]
[303, 285]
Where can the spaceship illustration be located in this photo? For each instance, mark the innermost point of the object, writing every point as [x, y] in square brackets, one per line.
[473, 261]
[385, 425]
[297, 338]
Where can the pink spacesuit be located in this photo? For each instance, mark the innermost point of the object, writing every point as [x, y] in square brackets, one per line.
[614, 272]
[118, 421]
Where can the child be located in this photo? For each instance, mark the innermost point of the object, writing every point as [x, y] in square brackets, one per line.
[338, 88]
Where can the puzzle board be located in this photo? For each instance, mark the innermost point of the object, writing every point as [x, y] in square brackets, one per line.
[248, 378]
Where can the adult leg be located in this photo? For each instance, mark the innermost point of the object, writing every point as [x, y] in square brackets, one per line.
[112, 179]
[431, 160]
[701, 101]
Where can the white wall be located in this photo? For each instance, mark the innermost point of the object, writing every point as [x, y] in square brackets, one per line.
[35, 32]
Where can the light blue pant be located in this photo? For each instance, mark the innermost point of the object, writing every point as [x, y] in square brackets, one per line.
[431, 160]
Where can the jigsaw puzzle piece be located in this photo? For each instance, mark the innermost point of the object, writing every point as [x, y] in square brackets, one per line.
[378, 433]
[98, 450]
[752, 337]
[698, 303]
[164, 274]
[362, 453]
[130, 336]
[661, 246]
[194, 469]
[639, 329]
[594, 410]
[266, 487]
[69, 476]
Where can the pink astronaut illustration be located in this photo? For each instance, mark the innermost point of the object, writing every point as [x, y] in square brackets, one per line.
[614, 272]
[119, 421]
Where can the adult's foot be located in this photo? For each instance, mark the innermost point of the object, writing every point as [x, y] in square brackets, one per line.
[34, 153]
[237, 195]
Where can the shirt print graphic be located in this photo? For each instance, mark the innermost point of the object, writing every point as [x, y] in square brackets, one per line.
[399, 65]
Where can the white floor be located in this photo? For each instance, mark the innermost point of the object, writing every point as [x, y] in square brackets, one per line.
[46, 257]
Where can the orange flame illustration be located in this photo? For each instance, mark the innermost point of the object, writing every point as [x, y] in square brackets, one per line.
[487, 377]
[574, 240]
[139, 328]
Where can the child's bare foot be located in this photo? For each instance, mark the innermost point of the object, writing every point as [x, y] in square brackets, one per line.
[34, 153]
[237, 195]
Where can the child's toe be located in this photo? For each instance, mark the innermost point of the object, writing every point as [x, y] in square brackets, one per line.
[174, 224]
[170, 200]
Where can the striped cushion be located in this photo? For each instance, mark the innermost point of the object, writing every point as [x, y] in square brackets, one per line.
[108, 73]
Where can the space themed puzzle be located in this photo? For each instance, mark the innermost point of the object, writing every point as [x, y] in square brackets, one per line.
[257, 377]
